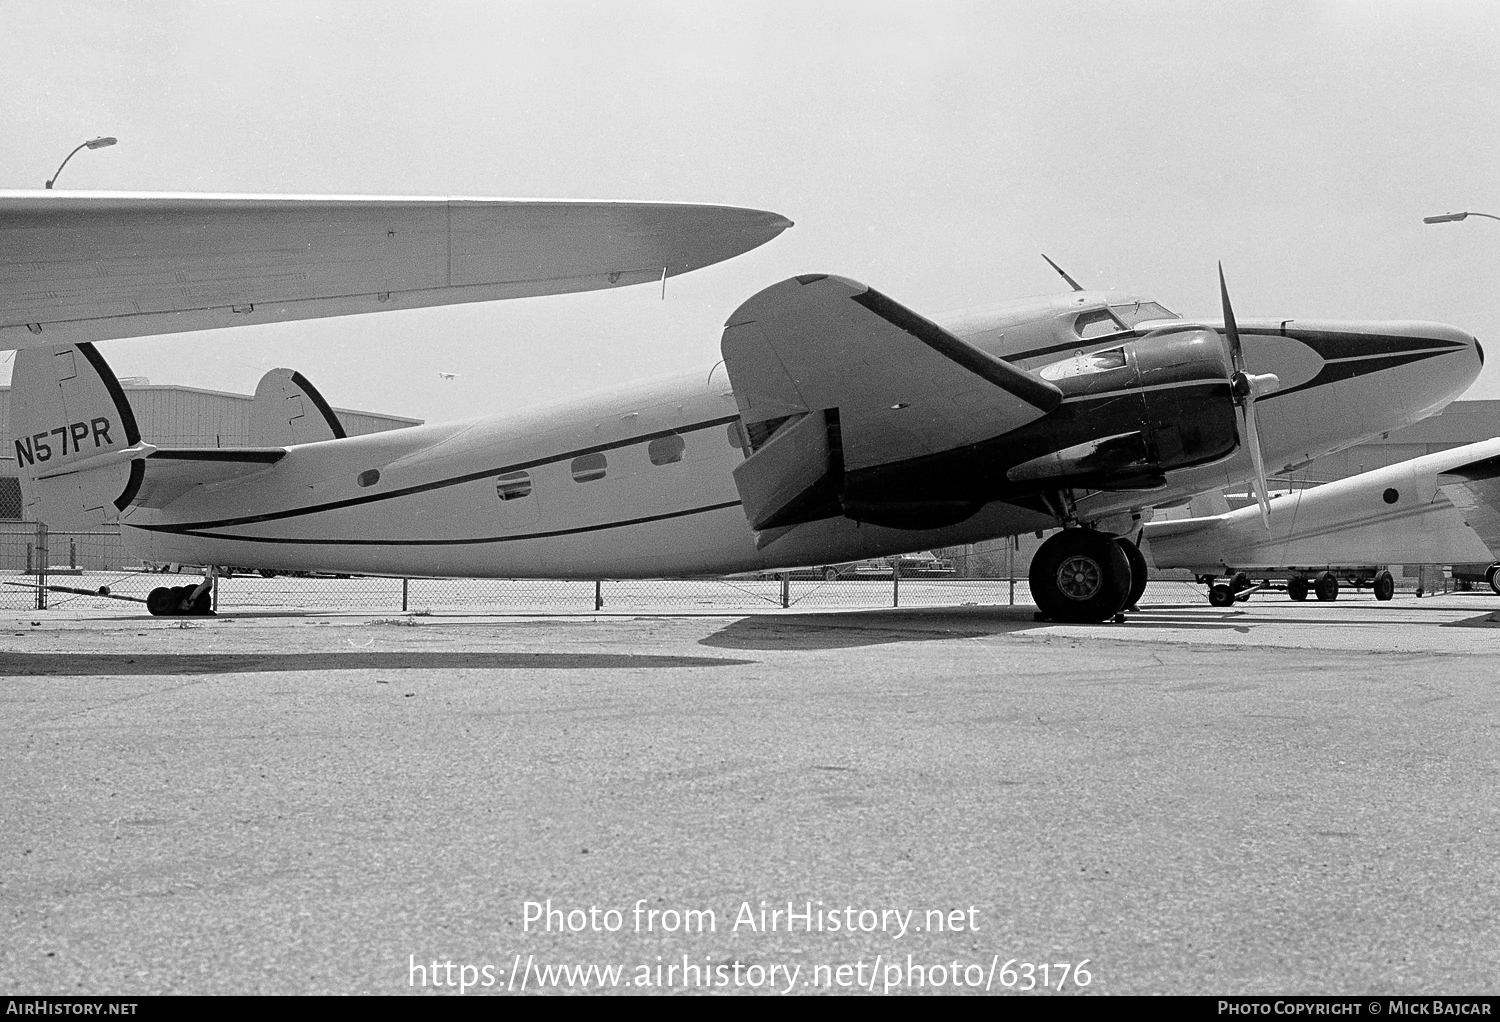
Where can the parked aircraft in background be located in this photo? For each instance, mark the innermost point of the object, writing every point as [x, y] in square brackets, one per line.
[840, 426]
[1441, 508]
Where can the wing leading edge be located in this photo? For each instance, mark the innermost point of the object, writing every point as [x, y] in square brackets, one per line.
[91, 266]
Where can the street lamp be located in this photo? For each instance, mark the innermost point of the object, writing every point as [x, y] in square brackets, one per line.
[93, 143]
[1449, 218]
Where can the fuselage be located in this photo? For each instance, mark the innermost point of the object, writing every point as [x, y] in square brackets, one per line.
[638, 482]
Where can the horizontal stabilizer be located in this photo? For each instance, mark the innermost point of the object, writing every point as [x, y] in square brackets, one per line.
[90, 266]
[170, 472]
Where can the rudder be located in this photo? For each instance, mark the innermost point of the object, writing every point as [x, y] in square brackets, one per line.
[77, 447]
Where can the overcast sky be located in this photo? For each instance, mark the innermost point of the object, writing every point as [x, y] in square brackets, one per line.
[929, 149]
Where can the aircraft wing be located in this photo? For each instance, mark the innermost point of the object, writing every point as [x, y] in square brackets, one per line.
[903, 386]
[1474, 489]
[90, 266]
[831, 375]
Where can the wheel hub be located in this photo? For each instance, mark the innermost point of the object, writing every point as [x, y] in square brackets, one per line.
[1079, 577]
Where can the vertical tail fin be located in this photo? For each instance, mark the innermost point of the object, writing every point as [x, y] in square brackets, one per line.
[77, 447]
[288, 410]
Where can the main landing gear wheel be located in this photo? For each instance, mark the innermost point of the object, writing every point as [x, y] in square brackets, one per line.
[1080, 576]
[1137, 573]
[1221, 595]
[1494, 577]
[1326, 586]
[1385, 586]
[830, 574]
[1297, 586]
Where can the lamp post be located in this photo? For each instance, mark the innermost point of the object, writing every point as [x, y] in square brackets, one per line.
[93, 143]
[1449, 218]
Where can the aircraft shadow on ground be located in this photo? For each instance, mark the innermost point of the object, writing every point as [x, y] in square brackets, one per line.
[846, 629]
[94, 664]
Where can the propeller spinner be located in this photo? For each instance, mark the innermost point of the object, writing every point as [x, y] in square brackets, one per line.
[1247, 387]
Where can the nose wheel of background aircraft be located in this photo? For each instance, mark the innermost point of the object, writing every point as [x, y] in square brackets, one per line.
[1326, 586]
[1385, 586]
[1080, 576]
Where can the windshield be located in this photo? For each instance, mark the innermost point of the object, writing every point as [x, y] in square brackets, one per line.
[1140, 312]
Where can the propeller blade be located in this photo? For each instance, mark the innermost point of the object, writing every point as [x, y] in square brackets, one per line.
[1252, 441]
[1231, 329]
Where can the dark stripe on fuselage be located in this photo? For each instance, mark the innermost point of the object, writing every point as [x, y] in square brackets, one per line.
[1327, 344]
[1333, 372]
[299, 541]
[469, 477]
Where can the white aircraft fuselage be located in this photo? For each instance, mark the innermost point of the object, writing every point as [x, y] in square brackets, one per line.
[638, 482]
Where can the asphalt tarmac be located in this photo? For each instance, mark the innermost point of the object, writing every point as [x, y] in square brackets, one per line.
[1273, 798]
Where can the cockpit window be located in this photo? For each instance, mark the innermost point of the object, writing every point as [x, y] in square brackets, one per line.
[1086, 364]
[1099, 323]
[1140, 312]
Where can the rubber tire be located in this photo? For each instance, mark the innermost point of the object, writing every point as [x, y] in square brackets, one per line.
[1494, 575]
[1297, 587]
[830, 574]
[203, 606]
[1094, 555]
[1221, 596]
[1138, 571]
[1385, 586]
[1326, 586]
[1240, 582]
[159, 601]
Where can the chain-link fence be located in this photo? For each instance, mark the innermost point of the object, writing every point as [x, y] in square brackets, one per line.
[87, 570]
[126, 591]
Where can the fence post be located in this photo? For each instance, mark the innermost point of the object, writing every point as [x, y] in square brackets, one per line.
[786, 590]
[1010, 565]
[404, 582]
[598, 594]
[895, 582]
[41, 565]
[28, 558]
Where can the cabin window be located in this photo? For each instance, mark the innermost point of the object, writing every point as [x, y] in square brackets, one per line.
[589, 467]
[513, 485]
[1099, 323]
[369, 477]
[666, 450]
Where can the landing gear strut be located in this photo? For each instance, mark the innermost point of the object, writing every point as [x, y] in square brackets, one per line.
[184, 601]
[1081, 576]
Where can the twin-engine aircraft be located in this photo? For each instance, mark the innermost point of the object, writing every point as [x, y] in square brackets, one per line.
[839, 425]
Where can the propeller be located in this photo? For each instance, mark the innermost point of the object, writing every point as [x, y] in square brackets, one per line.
[1247, 388]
